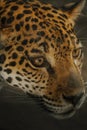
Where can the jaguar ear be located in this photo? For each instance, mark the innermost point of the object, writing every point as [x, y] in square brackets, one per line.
[74, 9]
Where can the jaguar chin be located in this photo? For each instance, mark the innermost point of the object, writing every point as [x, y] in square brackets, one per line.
[70, 107]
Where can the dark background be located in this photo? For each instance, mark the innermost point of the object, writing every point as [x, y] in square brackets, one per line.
[19, 112]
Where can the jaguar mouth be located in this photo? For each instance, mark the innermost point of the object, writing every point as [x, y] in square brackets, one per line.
[64, 115]
[60, 112]
[66, 111]
[71, 111]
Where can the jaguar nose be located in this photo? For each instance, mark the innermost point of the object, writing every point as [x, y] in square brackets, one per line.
[73, 99]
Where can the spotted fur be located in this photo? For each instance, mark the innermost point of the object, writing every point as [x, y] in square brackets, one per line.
[41, 53]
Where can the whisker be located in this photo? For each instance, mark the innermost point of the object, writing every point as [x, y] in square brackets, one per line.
[83, 38]
[82, 29]
[13, 91]
[18, 98]
[83, 14]
[85, 84]
[84, 41]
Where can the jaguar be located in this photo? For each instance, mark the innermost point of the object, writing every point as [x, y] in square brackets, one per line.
[41, 54]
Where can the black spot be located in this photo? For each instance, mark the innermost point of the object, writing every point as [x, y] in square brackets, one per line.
[27, 86]
[27, 6]
[37, 39]
[9, 79]
[19, 73]
[64, 27]
[19, 16]
[8, 48]
[27, 65]
[40, 12]
[14, 55]
[36, 51]
[37, 86]
[36, 5]
[2, 58]
[64, 16]
[0, 68]
[21, 23]
[34, 20]
[20, 2]
[3, 20]
[13, 38]
[26, 52]
[42, 24]
[15, 85]
[53, 36]
[7, 5]
[62, 23]
[23, 87]
[14, 8]
[45, 46]
[17, 27]
[24, 42]
[50, 15]
[8, 71]
[10, 20]
[27, 27]
[50, 93]
[8, 1]
[18, 37]
[41, 33]
[55, 21]
[61, 18]
[27, 11]
[34, 27]
[62, 36]
[12, 63]
[35, 9]
[6, 65]
[27, 19]
[66, 35]
[46, 8]
[54, 11]
[21, 60]
[27, 80]
[1, 8]
[2, 12]
[48, 38]
[31, 40]
[24, 70]
[10, 13]
[18, 78]
[20, 48]
[52, 45]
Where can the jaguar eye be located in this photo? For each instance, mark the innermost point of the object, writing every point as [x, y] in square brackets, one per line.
[38, 61]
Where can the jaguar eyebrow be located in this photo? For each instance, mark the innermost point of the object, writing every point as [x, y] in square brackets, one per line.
[36, 51]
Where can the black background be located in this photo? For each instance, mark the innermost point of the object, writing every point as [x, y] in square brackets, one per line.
[19, 112]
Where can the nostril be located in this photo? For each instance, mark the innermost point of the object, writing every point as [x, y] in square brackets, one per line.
[73, 99]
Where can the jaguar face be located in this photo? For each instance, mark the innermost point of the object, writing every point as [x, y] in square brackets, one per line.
[43, 56]
[59, 83]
